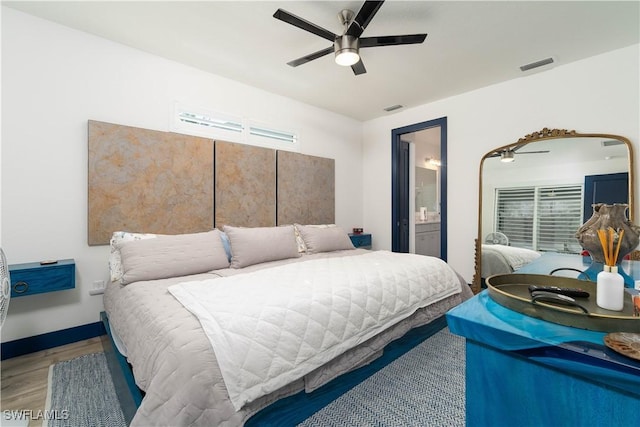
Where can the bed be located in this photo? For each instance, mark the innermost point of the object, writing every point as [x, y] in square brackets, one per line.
[218, 325]
[503, 259]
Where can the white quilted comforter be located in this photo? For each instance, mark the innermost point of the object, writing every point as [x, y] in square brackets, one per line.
[174, 363]
[511, 258]
[273, 326]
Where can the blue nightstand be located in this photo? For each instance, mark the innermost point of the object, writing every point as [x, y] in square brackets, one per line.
[362, 241]
[35, 278]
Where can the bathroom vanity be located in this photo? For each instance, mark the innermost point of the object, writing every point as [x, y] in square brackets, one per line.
[428, 238]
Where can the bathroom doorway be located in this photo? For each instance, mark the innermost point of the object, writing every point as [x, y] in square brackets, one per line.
[419, 183]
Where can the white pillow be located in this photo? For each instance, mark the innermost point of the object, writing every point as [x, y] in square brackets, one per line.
[172, 256]
[261, 244]
[325, 239]
[300, 241]
[115, 260]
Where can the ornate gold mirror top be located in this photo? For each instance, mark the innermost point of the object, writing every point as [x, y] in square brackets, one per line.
[536, 192]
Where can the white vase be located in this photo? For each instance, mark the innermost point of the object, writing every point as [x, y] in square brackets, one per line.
[610, 289]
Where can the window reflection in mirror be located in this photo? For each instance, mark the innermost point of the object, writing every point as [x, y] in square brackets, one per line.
[541, 197]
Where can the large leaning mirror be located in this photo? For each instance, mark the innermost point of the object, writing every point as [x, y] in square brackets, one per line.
[535, 193]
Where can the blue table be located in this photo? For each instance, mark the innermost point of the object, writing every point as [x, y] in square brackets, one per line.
[521, 371]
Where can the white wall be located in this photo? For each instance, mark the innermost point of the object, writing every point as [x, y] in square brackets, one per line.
[595, 95]
[54, 79]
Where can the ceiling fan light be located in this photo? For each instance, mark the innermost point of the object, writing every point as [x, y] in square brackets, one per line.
[346, 48]
[347, 58]
[507, 156]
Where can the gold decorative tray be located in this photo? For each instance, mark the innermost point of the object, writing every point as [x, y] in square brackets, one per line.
[512, 291]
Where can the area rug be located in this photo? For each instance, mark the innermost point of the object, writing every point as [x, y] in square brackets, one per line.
[424, 387]
[81, 393]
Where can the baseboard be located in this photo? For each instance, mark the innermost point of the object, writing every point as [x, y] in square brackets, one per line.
[40, 342]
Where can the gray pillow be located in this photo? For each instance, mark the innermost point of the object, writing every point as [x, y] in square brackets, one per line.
[261, 244]
[324, 239]
[172, 256]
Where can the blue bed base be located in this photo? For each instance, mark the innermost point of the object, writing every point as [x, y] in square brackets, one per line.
[129, 395]
[288, 411]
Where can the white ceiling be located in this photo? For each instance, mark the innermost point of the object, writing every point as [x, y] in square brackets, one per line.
[469, 45]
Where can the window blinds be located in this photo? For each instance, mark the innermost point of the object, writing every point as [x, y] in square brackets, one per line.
[540, 218]
[515, 208]
[559, 215]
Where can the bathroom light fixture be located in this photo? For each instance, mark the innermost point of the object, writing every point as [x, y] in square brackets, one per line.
[346, 48]
[507, 156]
[432, 161]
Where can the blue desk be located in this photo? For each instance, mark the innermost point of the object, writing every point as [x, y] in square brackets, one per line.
[522, 371]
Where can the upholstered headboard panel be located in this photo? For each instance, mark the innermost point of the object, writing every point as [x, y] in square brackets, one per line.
[245, 185]
[306, 189]
[166, 183]
[143, 181]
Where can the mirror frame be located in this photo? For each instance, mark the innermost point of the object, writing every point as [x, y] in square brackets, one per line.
[542, 135]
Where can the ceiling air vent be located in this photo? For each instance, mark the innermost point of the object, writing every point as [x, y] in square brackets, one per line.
[536, 64]
[393, 107]
[611, 142]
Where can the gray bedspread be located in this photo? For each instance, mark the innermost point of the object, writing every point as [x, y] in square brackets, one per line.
[174, 364]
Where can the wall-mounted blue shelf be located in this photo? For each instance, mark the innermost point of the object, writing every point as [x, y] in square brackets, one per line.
[35, 278]
[361, 240]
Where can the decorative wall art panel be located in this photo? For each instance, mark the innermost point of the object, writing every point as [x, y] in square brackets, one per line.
[306, 189]
[245, 185]
[148, 181]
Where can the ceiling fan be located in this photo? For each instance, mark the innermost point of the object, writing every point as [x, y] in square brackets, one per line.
[508, 154]
[347, 45]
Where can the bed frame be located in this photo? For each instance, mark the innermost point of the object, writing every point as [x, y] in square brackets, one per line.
[291, 410]
[129, 395]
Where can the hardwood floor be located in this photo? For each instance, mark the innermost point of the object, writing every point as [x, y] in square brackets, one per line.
[24, 378]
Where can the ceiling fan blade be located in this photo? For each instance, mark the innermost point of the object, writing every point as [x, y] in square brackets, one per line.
[296, 21]
[392, 40]
[364, 16]
[310, 57]
[533, 152]
[358, 68]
